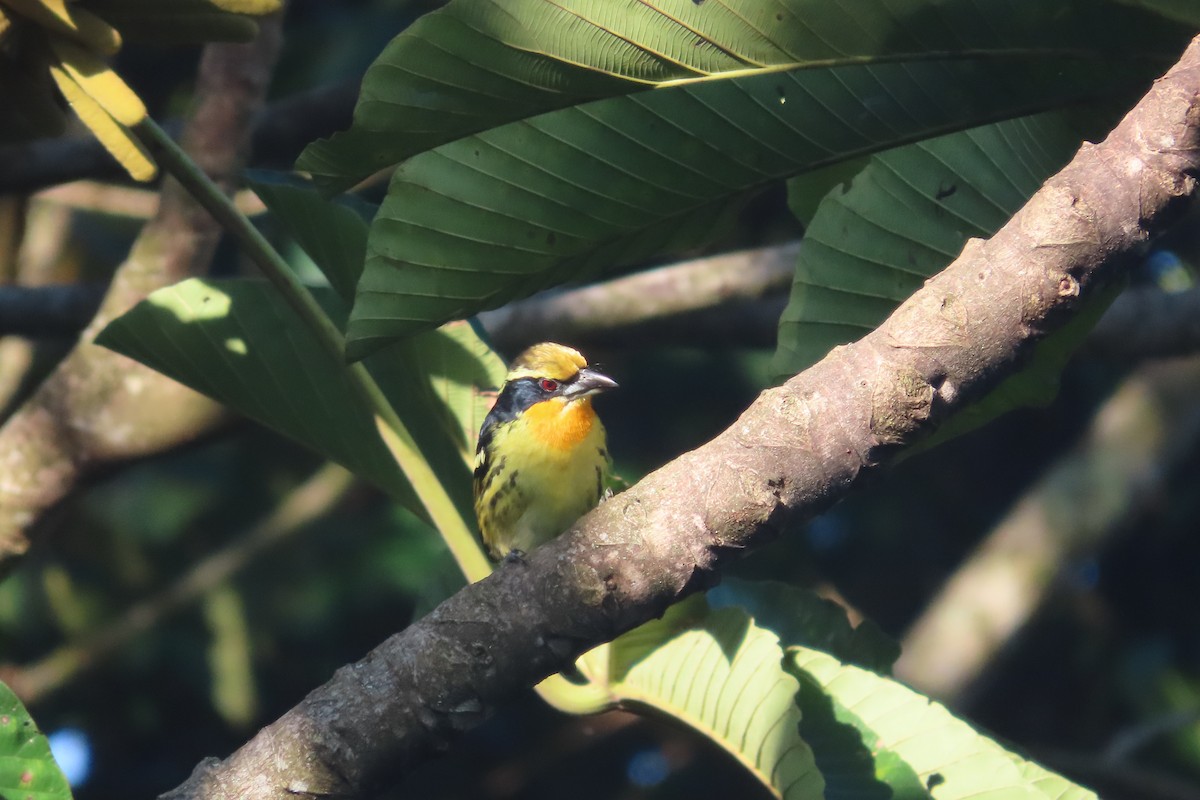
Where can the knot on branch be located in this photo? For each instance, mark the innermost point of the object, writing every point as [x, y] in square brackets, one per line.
[900, 404]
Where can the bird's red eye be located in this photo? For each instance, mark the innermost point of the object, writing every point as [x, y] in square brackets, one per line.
[549, 385]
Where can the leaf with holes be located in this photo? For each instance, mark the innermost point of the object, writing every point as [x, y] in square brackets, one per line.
[27, 768]
[478, 64]
[550, 164]
[568, 195]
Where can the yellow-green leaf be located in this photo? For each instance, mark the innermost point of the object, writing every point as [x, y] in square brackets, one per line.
[93, 75]
[116, 138]
[27, 769]
[910, 736]
[723, 675]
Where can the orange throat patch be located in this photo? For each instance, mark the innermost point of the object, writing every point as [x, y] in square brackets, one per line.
[561, 426]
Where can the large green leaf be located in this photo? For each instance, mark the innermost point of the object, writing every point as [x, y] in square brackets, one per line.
[910, 737]
[460, 367]
[723, 675]
[903, 219]
[27, 769]
[477, 64]
[746, 92]
[499, 215]
[237, 342]
[848, 734]
[852, 768]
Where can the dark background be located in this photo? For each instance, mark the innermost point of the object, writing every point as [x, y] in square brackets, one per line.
[1113, 653]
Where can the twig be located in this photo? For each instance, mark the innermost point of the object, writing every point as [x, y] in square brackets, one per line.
[1127, 742]
[730, 299]
[306, 503]
[795, 451]
[126, 201]
[99, 407]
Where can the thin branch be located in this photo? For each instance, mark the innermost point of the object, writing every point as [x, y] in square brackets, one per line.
[126, 201]
[304, 504]
[730, 299]
[795, 451]
[691, 301]
[1120, 779]
[98, 407]
[48, 311]
[1127, 742]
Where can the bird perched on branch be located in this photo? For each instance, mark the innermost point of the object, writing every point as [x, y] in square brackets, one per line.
[542, 460]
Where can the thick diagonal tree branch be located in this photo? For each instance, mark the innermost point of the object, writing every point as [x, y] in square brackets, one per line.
[99, 407]
[795, 451]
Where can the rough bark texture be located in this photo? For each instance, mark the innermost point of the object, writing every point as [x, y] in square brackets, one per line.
[795, 451]
[99, 407]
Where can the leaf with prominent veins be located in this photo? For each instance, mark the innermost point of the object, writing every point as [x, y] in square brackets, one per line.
[475, 64]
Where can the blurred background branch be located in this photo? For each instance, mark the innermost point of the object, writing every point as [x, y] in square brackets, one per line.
[279, 132]
[1146, 321]
[1120, 468]
[97, 407]
[729, 299]
[310, 500]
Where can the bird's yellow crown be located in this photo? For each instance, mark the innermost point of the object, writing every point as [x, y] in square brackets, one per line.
[547, 360]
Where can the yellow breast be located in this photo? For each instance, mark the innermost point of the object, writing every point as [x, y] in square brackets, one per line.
[552, 472]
